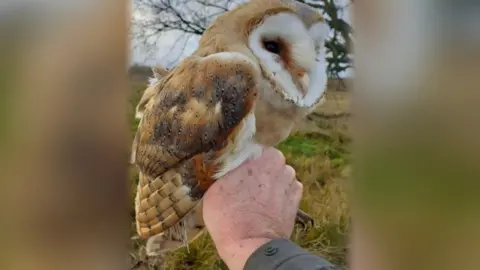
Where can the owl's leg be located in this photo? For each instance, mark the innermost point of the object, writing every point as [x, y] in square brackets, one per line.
[303, 218]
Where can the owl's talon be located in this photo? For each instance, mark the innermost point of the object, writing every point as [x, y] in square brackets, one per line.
[304, 219]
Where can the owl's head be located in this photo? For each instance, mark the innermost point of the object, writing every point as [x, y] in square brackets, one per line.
[287, 40]
[291, 53]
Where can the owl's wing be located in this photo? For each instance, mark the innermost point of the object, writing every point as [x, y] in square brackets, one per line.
[158, 74]
[189, 124]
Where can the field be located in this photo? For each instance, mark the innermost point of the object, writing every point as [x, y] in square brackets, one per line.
[319, 152]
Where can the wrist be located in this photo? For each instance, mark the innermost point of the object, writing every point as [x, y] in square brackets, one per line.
[236, 254]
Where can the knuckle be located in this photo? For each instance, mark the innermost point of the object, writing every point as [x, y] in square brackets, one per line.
[299, 186]
[290, 171]
[279, 157]
[274, 155]
[297, 191]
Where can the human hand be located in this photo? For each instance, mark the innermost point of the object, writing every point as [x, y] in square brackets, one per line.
[252, 205]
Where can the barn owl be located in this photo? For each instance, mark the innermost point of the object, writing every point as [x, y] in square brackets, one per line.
[258, 70]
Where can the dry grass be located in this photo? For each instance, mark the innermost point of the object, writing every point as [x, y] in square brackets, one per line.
[319, 153]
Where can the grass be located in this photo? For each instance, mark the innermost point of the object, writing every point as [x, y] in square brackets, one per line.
[319, 161]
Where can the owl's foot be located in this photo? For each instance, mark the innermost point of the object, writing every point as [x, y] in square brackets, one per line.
[304, 219]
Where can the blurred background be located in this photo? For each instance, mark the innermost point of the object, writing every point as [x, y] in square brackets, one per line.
[390, 162]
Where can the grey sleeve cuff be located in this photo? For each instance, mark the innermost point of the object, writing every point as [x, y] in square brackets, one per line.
[283, 254]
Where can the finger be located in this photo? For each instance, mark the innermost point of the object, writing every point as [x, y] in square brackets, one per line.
[272, 158]
[294, 197]
[296, 190]
[289, 174]
[298, 186]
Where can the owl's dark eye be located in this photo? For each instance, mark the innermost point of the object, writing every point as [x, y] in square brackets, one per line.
[272, 46]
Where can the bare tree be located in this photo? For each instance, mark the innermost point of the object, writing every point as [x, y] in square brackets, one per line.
[340, 42]
[154, 18]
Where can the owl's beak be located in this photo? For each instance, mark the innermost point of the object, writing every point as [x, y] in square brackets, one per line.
[303, 84]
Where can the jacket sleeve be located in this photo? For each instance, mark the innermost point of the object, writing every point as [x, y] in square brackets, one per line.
[283, 254]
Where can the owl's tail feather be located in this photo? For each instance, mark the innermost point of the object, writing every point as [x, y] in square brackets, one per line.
[165, 214]
[178, 236]
[161, 203]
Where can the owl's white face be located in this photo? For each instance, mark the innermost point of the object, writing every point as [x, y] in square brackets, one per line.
[293, 56]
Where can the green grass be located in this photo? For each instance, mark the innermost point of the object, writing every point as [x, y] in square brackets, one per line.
[319, 162]
[301, 145]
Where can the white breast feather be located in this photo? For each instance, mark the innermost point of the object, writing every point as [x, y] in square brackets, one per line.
[242, 149]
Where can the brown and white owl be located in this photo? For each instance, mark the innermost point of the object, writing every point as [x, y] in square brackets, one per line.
[258, 70]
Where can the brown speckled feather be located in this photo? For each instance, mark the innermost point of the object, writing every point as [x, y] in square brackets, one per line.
[159, 73]
[201, 106]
